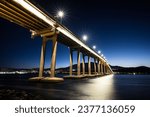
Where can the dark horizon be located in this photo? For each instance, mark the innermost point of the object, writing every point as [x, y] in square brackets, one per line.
[68, 66]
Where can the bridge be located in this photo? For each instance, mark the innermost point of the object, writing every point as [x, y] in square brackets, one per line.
[40, 23]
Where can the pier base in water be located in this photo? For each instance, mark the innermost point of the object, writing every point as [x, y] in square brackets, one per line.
[82, 76]
[46, 79]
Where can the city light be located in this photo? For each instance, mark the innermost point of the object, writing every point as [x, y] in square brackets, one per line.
[94, 47]
[85, 37]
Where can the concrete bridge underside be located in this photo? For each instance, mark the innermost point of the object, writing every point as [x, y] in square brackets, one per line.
[40, 23]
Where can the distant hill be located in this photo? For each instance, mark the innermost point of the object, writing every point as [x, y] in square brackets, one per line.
[116, 69]
[137, 70]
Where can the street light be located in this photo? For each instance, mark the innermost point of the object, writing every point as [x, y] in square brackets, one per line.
[99, 52]
[85, 37]
[94, 47]
[61, 15]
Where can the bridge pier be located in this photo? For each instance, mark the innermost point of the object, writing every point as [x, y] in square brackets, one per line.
[89, 65]
[52, 77]
[71, 62]
[101, 67]
[95, 66]
[98, 65]
[53, 58]
[42, 59]
[83, 64]
[78, 60]
[104, 66]
[107, 70]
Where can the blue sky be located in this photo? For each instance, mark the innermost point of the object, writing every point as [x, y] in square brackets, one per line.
[120, 29]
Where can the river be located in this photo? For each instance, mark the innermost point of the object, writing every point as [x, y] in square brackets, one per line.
[111, 87]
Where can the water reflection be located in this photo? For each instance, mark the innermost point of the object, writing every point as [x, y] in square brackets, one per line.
[106, 87]
[98, 88]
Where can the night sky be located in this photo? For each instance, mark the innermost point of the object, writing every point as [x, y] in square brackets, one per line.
[119, 28]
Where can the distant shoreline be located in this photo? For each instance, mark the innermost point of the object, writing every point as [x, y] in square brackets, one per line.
[131, 73]
[143, 70]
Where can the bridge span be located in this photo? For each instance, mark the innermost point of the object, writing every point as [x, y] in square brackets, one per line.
[40, 23]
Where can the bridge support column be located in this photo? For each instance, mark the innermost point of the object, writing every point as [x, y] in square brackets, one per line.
[98, 66]
[101, 65]
[78, 60]
[104, 67]
[42, 59]
[89, 65]
[107, 69]
[52, 77]
[83, 64]
[71, 62]
[53, 59]
[95, 66]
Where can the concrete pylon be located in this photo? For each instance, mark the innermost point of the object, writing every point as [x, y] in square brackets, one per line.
[71, 62]
[94, 65]
[78, 60]
[83, 64]
[53, 58]
[101, 65]
[104, 67]
[89, 65]
[98, 66]
[42, 59]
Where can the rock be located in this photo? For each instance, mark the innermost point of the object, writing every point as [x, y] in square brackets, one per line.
[10, 94]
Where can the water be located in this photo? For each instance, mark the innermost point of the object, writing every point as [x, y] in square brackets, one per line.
[120, 87]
